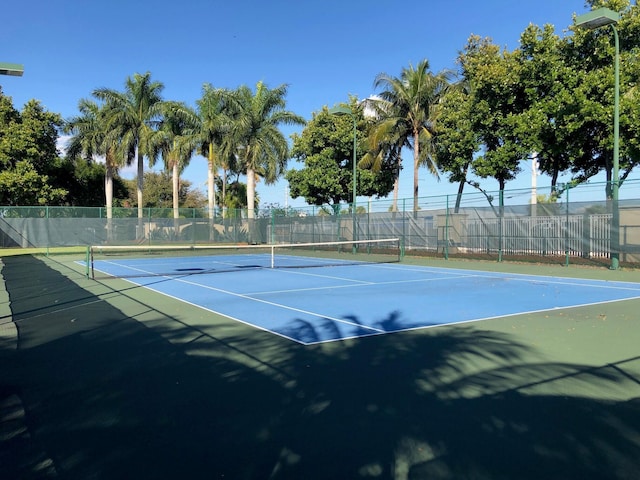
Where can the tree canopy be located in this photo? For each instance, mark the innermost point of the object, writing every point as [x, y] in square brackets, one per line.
[551, 97]
[325, 148]
[31, 169]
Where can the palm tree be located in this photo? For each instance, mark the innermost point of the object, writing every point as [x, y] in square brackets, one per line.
[136, 113]
[384, 143]
[412, 112]
[172, 142]
[91, 137]
[212, 137]
[261, 148]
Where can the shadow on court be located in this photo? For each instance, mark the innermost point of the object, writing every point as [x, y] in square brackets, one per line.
[95, 391]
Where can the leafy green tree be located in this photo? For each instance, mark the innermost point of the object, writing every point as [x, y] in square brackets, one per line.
[552, 96]
[135, 113]
[28, 154]
[23, 185]
[159, 190]
[30, 135]
[236, 196]
[276, 210]
[456, 140]
[554, 114]
[194, 198]
[325, 146]
[592, 54]
[84, 181]
[8, 114]
[498, 103]
[414, 98]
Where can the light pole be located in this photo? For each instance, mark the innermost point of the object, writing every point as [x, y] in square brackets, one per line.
[344, 110]
[592, 20]
[12, 69]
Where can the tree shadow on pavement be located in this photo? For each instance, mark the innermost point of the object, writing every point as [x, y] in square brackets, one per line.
[93, 392]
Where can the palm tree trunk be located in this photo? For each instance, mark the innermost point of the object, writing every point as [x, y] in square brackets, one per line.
[211, 185]
[251, 195]
[251, 192]
[211, 200]
[108, 193]
[176, 194]
[176, 209]
[140, 232]
[224, 193]
[416, 157]
[396, 187]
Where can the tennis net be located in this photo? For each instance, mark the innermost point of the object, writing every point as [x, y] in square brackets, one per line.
[165, 260]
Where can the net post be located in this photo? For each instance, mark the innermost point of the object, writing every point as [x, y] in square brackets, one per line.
[87, 258]
[273, 256]
[446, 231]
[93, 271]
[273, 225]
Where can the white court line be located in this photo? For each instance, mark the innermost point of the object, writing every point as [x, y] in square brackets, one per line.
[333, 277]
[531, 279]
[363, 284]
[522, 277]
[375, 331]
[463, 271]
[599, 284]
[472, 320]
[225, 315]
[273, 304]
[450, 276]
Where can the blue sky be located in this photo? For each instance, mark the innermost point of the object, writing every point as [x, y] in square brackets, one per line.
[324, 50]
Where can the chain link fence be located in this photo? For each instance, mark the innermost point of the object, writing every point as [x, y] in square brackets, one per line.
[560, 225]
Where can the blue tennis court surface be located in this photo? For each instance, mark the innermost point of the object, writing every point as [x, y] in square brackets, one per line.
[328, 303]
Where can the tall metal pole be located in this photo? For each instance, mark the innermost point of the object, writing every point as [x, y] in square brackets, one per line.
[593, 20]
[615, 216]
[354, 178]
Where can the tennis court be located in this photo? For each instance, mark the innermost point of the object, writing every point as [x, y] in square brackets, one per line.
[341, 298]
[159, 370]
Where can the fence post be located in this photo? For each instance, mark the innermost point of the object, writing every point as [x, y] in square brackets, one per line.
[404, 220]
[369, 219]
[566, 232]
[87, 261]
[446, 230]
[500, 215]
[273, 227]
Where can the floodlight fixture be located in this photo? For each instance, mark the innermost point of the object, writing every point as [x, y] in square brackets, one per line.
[597, 18]
[11, 69]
